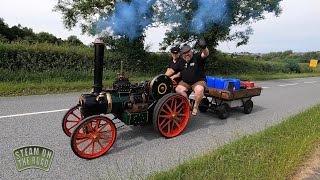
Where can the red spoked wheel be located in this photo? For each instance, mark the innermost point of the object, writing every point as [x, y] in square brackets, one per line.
[71, 119]
[93, 137]
[171, 115]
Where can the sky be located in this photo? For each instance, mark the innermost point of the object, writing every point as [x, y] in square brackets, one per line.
[297, 28]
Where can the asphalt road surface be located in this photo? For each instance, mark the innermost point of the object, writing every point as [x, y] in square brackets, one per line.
[138, 151]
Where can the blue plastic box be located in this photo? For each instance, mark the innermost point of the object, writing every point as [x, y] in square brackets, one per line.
[211, 81]
[236, 83]
[221, 83]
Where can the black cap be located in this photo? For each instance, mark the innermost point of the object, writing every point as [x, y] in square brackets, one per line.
[175, 50]
[185, 48]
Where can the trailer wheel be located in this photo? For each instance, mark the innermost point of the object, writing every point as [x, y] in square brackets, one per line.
[171, 115]
[204, 105]
[223, 111]
[248, 106]
[93, 137]
[71, 119]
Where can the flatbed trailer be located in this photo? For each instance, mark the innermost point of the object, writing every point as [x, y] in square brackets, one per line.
[221, 101]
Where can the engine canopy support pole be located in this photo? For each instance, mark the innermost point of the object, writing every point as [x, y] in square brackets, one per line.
[98, 65]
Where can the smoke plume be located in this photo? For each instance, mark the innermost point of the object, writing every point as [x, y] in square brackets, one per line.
[209, 12]
[129, 19]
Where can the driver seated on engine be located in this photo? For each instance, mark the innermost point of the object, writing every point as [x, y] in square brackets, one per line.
[193, 73]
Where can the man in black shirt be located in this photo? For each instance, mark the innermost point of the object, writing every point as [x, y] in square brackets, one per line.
[174, 64]
[193, 74]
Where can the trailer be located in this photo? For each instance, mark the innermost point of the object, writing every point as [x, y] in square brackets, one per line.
[222, 101]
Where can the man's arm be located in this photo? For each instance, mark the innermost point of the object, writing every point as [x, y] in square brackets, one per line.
[169, 72]
[205, 51]
[175, 76]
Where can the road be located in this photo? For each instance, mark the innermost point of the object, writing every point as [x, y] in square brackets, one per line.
[138, 151]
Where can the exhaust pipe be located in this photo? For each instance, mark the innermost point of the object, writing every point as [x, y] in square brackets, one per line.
[98, 65]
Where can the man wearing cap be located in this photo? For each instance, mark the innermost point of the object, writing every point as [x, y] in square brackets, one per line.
[174, 64]
[193, 75]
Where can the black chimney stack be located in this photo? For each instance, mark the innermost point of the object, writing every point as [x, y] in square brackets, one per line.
[98, 65]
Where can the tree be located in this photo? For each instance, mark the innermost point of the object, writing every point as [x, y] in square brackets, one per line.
[73, 40]
[46, 37]
[212, 19]
[189, 20]
[5, 31]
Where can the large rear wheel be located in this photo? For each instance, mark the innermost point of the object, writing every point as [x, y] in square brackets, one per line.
[171, 115]
[93, 137]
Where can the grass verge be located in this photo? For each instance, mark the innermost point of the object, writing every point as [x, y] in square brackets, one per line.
[35, 84]
[274, 153]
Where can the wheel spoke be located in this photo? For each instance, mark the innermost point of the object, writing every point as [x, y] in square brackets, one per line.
[164, 121]
[164, 116]
[93, 147]
[106, 139]
[177, 107]
[178, 112]
[72, 126]
[176, 123]
[100, 144]
[87, 146]
[163, 110]
[105, 133]
[75, 115]
[172, 127]
[72, 120]
[89, 126]
[82, 141]
[169, 108]
[181, 115]
[172, 102]
[105, 125]
[96, 128]
[161, 127]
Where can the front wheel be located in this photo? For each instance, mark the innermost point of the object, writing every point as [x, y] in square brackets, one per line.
[93, 137]
[71, 119]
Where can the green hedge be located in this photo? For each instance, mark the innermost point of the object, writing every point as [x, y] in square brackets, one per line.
[75, 63]
[48, 57]
[227, 66]
[44, 57]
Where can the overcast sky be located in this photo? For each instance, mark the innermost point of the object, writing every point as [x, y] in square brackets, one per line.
[297, 28]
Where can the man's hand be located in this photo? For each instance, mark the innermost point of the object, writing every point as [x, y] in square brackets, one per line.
[202, 43]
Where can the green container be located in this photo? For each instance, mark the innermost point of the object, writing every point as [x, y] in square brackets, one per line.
[134, 118]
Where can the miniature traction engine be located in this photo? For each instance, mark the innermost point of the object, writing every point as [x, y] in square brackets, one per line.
[90, 127]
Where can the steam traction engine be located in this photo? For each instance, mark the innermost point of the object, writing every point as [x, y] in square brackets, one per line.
[151, 102]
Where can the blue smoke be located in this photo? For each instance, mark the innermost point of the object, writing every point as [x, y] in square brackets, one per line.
[129, 19]
[209, 12]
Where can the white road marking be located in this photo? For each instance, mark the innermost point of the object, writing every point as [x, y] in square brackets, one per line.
[28, 114]
[310, 82]
[265, 87]
[282, 85]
